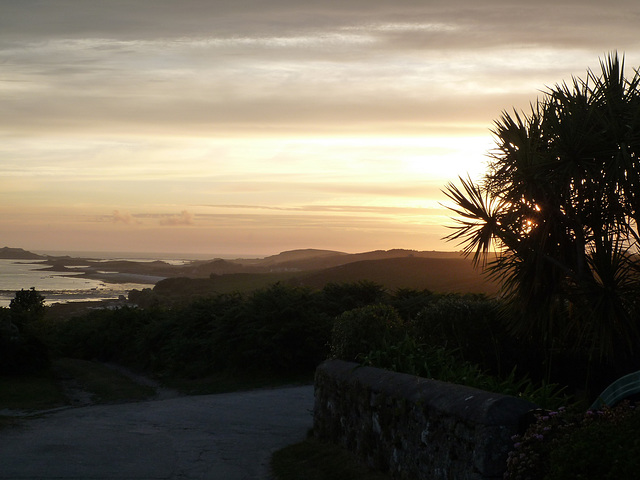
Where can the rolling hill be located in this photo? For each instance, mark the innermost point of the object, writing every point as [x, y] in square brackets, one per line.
[442, 272]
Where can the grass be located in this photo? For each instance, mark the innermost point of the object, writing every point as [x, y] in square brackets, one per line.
[312, 459]
[103, 383]
[224, 382]
[32, 392]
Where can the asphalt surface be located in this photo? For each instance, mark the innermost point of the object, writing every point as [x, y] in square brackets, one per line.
[227, 436]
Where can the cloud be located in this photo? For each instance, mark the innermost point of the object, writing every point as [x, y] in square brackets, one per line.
[354, 209]
[184, 218]
[124, 217]
[292, 66]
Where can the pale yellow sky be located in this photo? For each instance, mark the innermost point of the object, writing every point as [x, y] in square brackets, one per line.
[240, 127]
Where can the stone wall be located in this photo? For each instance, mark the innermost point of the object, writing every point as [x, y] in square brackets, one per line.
[413, 427]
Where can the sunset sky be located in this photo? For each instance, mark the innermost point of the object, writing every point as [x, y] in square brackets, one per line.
[242, 127]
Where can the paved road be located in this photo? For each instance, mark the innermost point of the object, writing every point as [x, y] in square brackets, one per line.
[228, 437]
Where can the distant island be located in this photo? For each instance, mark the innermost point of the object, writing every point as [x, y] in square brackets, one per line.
[8, 253]
[394, 269]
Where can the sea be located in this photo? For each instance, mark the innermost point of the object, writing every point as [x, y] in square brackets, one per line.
[57, 287]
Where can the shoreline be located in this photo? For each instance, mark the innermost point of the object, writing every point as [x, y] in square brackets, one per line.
[120, 277]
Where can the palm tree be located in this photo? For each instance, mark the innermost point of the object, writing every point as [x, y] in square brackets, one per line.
[560, 206]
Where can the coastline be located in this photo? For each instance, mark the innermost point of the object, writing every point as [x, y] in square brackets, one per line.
[119, 277]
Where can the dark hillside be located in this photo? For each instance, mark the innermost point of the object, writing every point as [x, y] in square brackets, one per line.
[299, 255]
[305, 260]
[442, 275]
[452, 274]
[18, 254]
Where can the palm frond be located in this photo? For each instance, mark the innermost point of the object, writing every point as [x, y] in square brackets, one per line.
[479, 224]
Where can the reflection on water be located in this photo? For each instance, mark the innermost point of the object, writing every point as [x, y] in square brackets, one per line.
[54, 286]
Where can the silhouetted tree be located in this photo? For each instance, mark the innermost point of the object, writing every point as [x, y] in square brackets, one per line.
[560, 204]
[26, 306]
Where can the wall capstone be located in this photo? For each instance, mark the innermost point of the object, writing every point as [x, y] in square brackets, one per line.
[414, 427]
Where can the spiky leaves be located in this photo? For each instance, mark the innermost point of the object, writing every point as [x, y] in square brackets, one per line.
[561, 204]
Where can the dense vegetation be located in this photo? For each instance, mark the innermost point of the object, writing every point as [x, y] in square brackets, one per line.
[560, 205]
[283, 330]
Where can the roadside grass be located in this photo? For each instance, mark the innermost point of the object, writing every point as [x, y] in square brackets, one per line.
[46, 390]
[313, 459]
[31, 392]
[103, 383]
[224, 382]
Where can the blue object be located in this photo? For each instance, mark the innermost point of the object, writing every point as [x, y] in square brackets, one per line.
[618, 390]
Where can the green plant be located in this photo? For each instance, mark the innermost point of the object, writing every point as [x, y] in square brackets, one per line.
[363, 329]
[408, 302]
[341, 297]
[21, 351]
[565, 444]
[280, 328]
[410, 356]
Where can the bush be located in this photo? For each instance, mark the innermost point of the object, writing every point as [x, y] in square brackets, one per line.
[563, 445]
[358, 331]
[409, 302]
[338, 298]
[27, 307]
[20, 352]
[280, 328]
[410, 356]
[472, 327]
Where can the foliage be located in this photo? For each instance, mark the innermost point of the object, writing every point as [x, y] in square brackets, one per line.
[340, 297]
[21, 351]
[22, 354]
[27, 306]
[467, 324]
[410, 356]
[568, 445]
[278, 329]
[560, 205]
[409, 302]
[358, 331]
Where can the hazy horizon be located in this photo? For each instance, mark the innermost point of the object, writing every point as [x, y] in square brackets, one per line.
[231, 127]
[159, 255]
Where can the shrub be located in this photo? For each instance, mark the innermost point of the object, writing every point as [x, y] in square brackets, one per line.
[22, 355]
[564, 445]
[27, 307]
[341, 297]
[20, 351]
[358, 331]
[280, 328]
[472, 327]
[409, 302]
[410, 356]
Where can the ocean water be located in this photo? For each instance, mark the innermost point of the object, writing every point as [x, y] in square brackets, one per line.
[54, 286]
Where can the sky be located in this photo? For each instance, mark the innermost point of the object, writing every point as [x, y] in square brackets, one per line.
[251, 127]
